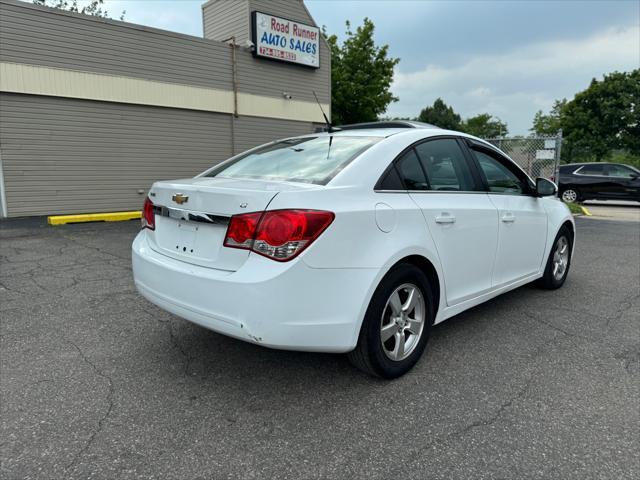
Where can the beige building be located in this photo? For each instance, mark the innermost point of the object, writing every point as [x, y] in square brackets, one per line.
[92, 111]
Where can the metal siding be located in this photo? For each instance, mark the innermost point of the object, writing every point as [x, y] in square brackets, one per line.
[68, 156]
[254, 131]
[291, 9]
[64, 155]
[297, 80]
[40, 36]
[223, 19]
[271, 78]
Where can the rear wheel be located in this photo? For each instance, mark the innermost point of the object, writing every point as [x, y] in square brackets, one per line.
[571, 195]
[397, 324]
[559, 260]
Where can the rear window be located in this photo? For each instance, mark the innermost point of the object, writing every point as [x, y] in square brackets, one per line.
[308, 160]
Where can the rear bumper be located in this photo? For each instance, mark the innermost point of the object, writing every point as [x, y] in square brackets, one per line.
[280, 305]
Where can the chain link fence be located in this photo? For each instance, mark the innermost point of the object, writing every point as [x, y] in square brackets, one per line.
[538, 156]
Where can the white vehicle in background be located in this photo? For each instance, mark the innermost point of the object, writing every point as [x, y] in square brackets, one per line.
[357, 240]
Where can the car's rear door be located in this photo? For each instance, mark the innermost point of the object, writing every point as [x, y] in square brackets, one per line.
[459, 216]
[522, 217]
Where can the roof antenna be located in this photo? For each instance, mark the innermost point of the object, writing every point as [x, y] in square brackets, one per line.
[330, 128]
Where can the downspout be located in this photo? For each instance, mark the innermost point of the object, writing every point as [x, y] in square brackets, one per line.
[3, 196]
[558, 159]
[234, 70]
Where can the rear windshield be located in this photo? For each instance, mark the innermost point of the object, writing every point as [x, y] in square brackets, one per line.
[308, 160]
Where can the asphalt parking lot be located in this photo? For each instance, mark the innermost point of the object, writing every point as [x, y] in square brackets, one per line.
[98, 383]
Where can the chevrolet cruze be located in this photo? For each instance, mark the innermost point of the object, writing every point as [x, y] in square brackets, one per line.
[357, 240]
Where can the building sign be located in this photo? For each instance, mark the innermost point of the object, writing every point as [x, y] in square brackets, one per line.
[285, 40]
[545, 154]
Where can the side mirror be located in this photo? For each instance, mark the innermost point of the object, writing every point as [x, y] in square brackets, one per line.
[635, 175]
[545, 188]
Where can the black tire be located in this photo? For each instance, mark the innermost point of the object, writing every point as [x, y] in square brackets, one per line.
[549, 280]
[369, 354]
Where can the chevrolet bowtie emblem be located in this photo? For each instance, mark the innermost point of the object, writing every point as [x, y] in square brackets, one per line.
[180, 198]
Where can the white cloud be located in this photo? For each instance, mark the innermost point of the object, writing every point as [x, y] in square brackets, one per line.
[514, 85]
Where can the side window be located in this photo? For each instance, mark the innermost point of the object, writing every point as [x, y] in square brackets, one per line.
[391, 181]
[411, 172]
[595, 169]
[445, 165]
[499, 178]
[620, 171]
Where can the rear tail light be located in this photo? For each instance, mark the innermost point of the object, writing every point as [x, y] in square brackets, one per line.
[278, 234]
[148, 217]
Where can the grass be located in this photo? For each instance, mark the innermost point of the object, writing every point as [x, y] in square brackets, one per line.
[574, 208]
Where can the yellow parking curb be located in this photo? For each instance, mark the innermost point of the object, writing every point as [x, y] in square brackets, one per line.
[93, 217]
[585, 211]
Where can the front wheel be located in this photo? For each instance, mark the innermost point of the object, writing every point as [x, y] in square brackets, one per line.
[397, 324]
[559, 261]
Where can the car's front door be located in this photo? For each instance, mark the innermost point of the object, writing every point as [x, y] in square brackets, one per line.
[522, 218]
[460, 217]
[593, 181]
[625, 182]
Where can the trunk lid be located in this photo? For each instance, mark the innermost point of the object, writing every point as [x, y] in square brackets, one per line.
[191, 217]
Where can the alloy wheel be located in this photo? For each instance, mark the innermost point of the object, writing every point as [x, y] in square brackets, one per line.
[560, 258]
[402, 322]
[570, 195]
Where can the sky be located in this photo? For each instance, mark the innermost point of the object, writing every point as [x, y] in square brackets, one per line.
[506, 58]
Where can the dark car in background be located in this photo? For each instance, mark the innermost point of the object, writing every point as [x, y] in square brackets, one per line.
[578, 182]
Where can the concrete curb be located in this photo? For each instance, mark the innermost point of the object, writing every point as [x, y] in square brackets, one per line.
[93, 217]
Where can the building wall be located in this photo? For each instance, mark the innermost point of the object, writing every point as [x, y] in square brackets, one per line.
[50, 37]
[92, 111]
[252, 131]
[299, 81]
[223, 19]
[65, 155]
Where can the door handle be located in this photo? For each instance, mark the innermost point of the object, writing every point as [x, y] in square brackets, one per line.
[508, 218]
[445, 218]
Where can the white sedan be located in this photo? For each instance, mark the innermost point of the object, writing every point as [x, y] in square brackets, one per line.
[357, 240]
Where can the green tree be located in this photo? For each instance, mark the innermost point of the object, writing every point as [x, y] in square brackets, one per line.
[361, 76]
[551, 123]
[484, 126]
[94, 7]
[441, 115]
[605, 117]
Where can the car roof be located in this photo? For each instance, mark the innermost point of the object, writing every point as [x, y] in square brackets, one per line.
[582, 164]
[576, 166]
[364, 132]
[377, 129]
[594, 163]
[386, 132]
[386, 124]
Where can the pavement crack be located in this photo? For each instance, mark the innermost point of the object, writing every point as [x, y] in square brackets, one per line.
[533, 317]
[105, 415]
[629, 358]
[90, 247]
[625, 305]
[497, 414]
[188, 359]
